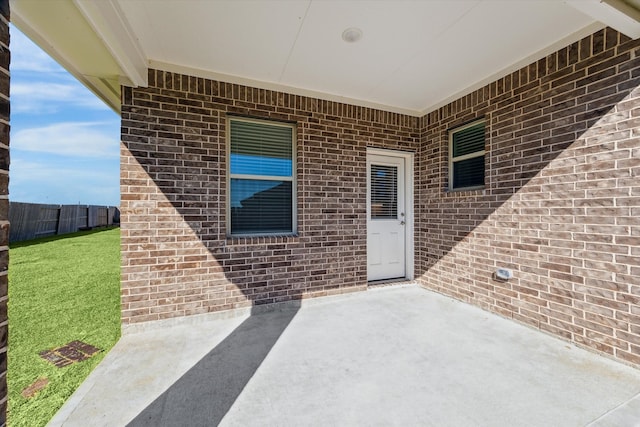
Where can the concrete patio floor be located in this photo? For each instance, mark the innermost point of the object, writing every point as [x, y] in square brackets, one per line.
[398, 355]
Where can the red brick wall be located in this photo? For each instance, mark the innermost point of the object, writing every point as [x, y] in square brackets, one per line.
[176, 258]
[561, 204]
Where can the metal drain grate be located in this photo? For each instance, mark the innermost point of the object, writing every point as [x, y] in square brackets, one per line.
[75, 351]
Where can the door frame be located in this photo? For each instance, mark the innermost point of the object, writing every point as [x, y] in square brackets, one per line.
[408, 158]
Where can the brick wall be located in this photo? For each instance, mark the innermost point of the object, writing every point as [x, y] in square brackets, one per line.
[176, 258]
[5, 58]
[561, 204]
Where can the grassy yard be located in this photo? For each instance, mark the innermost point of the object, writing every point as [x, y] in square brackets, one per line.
[61, 289]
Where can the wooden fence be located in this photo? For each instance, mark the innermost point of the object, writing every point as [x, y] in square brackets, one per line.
[30, 220]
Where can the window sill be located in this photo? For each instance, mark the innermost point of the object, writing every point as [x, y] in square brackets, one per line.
[252, 239]
[466, 189]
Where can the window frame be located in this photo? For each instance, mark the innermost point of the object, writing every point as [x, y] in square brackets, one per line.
[293, 178]
[473, 155]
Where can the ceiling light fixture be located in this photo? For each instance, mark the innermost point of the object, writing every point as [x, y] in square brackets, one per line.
[352, 35]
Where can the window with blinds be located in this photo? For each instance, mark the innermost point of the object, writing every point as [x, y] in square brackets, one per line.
[466, 156]
[384, 192]
[261, 177]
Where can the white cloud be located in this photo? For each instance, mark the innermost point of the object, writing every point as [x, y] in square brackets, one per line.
[84, 139]
[43, 86]
[82, 182]
[40, 171]
[64, 140]
[42, 97]
[26, 56]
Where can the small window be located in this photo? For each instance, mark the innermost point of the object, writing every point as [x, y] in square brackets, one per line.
[466, 156]
[384, 192]
[261, 177]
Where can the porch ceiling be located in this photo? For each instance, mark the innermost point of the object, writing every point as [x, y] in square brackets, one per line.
[414, 56]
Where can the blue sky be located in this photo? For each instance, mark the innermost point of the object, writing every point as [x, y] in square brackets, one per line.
[64, 140]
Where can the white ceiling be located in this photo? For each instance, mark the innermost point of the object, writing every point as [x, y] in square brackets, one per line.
[413, 57]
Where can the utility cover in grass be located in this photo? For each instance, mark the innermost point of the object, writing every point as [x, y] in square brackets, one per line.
[75, 351]
[34, 388]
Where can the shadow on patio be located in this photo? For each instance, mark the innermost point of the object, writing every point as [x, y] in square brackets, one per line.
[392, 356]
[204, 394]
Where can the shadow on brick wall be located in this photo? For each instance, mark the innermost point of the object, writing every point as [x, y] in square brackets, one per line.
[175, 166]
[177, 257]
[561, 200]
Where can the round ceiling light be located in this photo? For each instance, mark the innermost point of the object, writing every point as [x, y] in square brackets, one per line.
[352, 35]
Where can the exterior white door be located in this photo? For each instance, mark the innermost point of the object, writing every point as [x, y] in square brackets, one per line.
[386, 217]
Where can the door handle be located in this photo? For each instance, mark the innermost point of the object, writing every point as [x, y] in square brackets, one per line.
[401, 222]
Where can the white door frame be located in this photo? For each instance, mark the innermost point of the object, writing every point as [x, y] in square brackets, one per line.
[408, 197]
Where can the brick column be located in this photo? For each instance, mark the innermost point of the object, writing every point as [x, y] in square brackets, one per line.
[5, 57]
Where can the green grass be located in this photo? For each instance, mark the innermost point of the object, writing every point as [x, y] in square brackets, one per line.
[61, 289]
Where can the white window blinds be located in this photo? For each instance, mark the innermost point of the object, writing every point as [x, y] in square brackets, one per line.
[261, 184]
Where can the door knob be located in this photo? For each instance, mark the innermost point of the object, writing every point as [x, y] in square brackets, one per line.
[401, 222]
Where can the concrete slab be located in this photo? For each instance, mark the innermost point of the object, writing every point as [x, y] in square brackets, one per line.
[390, 356]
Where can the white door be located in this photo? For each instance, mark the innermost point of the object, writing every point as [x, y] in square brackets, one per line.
[386, 217]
